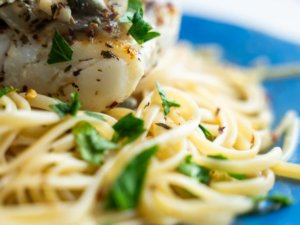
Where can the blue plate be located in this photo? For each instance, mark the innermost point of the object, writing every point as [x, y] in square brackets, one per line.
[242, 46]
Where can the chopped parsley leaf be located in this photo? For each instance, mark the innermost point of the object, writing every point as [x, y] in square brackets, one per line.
[221, 157]
[166, 101]
[128, 127]
[139, 29]
[60, 50]
[7, 90]
[96, 115]
[132, 7]
[238, 176]
[194, 171]
[91, 144]
[62, 109]
[207, 134]
[126, 191]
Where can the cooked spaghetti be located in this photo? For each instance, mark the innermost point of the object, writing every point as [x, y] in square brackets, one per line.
[207, 128]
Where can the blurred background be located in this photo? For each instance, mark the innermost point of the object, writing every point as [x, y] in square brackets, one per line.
[245, 26]
[252, 31]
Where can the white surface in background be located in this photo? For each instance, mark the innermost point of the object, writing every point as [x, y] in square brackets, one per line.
[278, 18]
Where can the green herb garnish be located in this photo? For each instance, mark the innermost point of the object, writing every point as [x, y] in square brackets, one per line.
[207, 134]
[91, 144]
[166, 101]
[194, 171]
[276, 201]
[97, 116]
[7, 90]
[238, 176]
[128, 127]
[127, 189]
[218, 157]
[132, 7]
[60, 50]
[139, 29]
[62, 109]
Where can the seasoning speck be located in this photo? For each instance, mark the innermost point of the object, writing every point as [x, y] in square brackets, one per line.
[221, 129]
[108, 54]
[147, 105]
[68, 69]
[217, 111]
[108, 29]
[114, 104]
[108, 45]
[164, 126]
[77, 72]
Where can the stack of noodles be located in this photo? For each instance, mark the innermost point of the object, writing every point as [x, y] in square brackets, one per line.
[44, 180]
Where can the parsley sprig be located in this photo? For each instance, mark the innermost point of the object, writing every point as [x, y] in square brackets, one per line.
[60, 50]
[7, 90]
[91, 144]
[140, 29]
[95, 115]
[167, 103]
[62, 109]
[194, 171]
[132, 7]
[207, 134]
[129, 127]
[127, 189]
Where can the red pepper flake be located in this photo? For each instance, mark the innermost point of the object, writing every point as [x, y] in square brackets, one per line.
[221, 129]
[108, 29]
[131, 51]
[77, 72]
[114, 104]
[159, 21]
[274, 137]
[217, 111]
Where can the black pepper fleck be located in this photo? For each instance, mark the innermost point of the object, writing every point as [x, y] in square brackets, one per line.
[164, 126]
[77, 72]
[67, 69]
[108, 45]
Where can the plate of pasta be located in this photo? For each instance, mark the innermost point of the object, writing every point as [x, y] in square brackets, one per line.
[105, 120]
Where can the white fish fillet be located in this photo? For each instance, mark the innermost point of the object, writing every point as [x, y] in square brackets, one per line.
[102, 82]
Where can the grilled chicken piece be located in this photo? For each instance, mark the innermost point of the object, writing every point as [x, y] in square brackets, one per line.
[107, 62]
